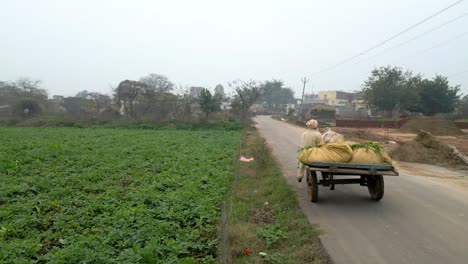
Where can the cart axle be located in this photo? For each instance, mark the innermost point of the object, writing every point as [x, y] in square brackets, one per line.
[342, 181]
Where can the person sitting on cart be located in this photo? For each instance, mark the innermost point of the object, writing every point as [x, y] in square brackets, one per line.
[309, 138]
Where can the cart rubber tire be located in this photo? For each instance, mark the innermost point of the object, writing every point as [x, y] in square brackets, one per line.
[375, 185]
[312, 186]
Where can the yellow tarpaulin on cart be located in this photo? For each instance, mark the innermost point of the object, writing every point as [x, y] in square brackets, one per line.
[338, 152]
[371, 156]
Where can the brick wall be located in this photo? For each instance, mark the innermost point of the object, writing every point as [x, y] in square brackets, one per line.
[386, 124]
[370, 123]
[462, 125]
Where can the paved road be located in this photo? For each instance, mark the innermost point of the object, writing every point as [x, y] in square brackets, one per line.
[418, 220]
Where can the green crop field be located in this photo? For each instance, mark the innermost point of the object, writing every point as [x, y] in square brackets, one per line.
[99, 195]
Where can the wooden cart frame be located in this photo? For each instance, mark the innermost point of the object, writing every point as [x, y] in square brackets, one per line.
[369, 175]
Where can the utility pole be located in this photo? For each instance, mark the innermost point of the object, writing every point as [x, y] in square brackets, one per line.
[304, 81]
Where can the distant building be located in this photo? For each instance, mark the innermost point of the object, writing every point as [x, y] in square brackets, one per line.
[347, 105]
[313, 99]
[58, 98]
[336, 98]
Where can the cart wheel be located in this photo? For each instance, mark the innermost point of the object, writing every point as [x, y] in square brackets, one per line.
[375, 184]
[312, 186]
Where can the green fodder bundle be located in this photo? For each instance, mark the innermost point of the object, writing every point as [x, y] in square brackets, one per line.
[370, 153]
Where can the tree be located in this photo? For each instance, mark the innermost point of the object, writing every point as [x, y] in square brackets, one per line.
[76, 105]
[247, 92]
[157, 83]
[275, 94]
[285, 96]
[236, 105]
[127, 93]
[463, 107]
[388, 88]
[26, 108]
[409, 96]
[82, 94]
[219, 93]
[99, 101]
[208, 103]
[156, 98]
[184, 104]
[8, 91]
[384, 88]
[437, 96]
[24, 95]
[166, 106]
[23, 87]
[31, 88]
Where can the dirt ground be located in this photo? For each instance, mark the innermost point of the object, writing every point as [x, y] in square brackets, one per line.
[383, 136]
[436, 126]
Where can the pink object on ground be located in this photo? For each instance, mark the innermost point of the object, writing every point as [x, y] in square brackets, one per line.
[244, 159]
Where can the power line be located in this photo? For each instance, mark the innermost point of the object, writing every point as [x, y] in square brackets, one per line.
[457, 74]
[418, 36]
[443, 43]
[440, 44]
[388, 39]
[412, 39]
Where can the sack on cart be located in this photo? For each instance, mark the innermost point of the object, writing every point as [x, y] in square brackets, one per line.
[337, 152]
[370, 153]
[331, 136]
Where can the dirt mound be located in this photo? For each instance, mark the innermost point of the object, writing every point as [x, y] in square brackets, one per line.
[425, 148]
[436, 126]
[359, 135]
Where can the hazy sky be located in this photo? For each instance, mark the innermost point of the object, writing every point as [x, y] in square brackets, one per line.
[90, 45]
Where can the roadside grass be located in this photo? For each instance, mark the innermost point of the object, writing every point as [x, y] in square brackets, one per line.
[264, 215]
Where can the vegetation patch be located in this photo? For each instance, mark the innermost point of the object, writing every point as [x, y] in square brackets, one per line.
[86, 195]
[121, 122]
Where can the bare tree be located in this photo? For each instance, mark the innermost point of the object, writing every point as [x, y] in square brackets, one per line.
[156, 97]
[248, 92]
[127, 93]
[99, 101]
[8, 92]
[31, 88]
[75, 105]
[157, 83]
[185, 101]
